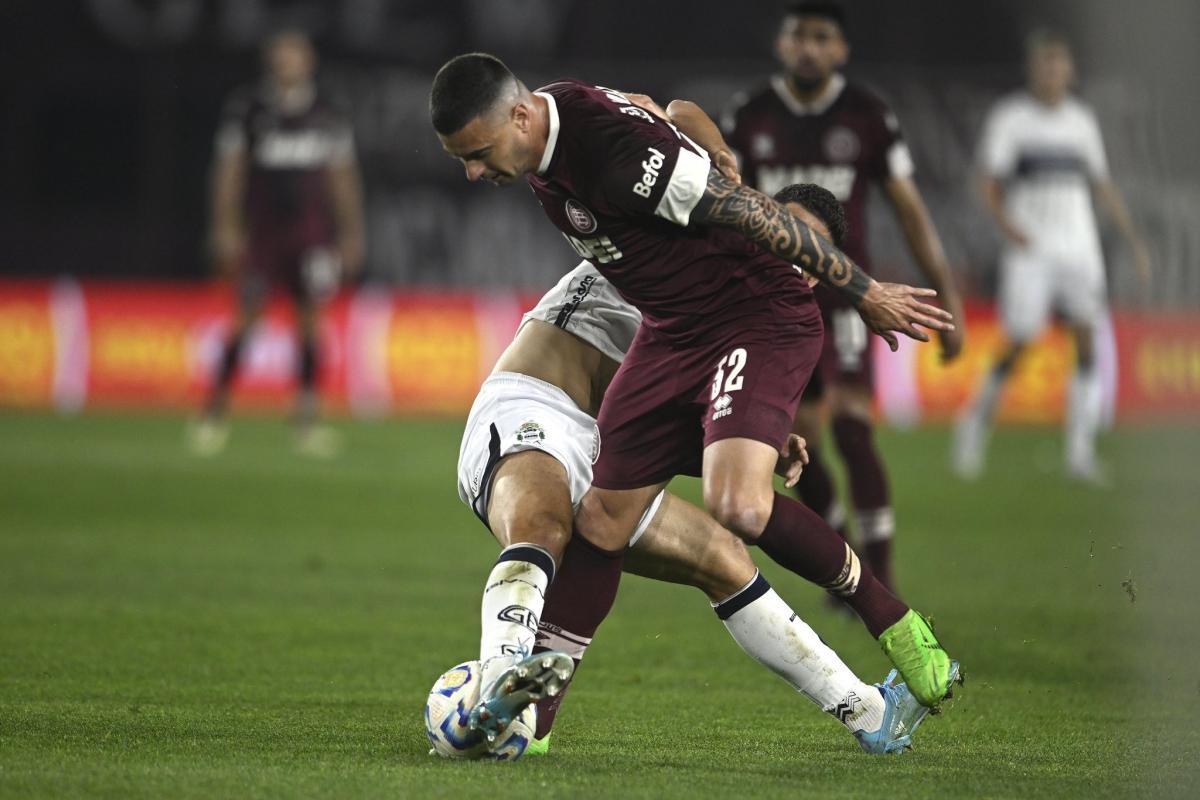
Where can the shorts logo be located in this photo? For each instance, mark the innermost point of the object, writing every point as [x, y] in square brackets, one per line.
[841, 145]
[580, 218]
[722, 407]
[650, 167]
[530, 433]
[595, 454]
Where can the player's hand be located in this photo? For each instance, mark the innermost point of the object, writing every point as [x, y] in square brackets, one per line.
[792, 458]
[646, 102]
[726, 163]
[891, 308]
[952, 341]
[1016, 236]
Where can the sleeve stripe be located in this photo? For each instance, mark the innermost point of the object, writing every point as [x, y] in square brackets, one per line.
[900, 161]
[686, 187]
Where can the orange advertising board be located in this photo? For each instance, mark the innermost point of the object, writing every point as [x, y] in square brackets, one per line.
[27, 345]
[150, 344]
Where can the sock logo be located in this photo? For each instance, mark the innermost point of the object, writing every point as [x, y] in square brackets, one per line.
[520, 615]
[845, 708]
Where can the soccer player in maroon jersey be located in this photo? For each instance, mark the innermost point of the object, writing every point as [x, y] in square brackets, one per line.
[729, 337]
[286, 215]
[811, 124]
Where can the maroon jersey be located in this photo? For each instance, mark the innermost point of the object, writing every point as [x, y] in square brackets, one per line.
[621, 184]
[289, 153]
[842, 142]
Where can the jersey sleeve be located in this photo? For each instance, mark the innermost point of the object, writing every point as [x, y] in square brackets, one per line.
[650, 168]
[1093, 148]
[894, 160]
[997, 148]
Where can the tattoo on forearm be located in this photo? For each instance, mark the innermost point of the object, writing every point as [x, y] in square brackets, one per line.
[772, 227]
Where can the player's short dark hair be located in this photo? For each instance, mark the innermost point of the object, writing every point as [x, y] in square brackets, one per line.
[821, 202]
[1045, 37]
[827, 9]
[465, 87]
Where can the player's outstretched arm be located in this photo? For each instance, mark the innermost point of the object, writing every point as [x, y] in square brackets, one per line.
[886, 308]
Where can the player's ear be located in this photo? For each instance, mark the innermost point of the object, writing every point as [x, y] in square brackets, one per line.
[843, 52]
[521, 116]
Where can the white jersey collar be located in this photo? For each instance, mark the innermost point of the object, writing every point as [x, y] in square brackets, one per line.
[552, 136]
[819, 106]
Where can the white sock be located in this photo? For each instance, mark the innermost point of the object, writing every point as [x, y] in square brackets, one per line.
[989, 395]
[1083, 417]
[876, 524]
[512, 604]
[773, 635]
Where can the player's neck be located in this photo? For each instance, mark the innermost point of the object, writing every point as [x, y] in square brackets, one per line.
[540, 131]
[292, 97]
[1049, 99]
[810, 95]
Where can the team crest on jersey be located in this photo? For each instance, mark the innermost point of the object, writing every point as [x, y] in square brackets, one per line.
[762, 145]
[581, 219]
[841, 145]
[531, 433]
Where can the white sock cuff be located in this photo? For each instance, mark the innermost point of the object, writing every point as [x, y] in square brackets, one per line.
[533, 554]
[876, 525]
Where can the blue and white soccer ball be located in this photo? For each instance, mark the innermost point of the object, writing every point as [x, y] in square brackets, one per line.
[447, 712]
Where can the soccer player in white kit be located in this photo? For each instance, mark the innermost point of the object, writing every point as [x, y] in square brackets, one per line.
[1041, 156]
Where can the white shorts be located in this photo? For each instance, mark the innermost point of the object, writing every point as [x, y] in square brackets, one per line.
[514, 413]
[1033, 284]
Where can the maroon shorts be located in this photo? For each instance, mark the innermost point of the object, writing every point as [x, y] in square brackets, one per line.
[846, 353]
[667, 402]
[302, 269]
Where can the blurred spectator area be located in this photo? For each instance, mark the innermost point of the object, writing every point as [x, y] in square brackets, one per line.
[109, 108]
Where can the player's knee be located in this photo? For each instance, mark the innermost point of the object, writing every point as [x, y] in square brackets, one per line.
[1009, 357]
[1085, 353]
[742, 512]
[853, 434]
[541, 527]
[601, 523]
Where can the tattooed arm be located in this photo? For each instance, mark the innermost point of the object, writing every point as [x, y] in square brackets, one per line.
[884, 307]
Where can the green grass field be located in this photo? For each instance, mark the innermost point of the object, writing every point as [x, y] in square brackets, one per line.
[261, 625]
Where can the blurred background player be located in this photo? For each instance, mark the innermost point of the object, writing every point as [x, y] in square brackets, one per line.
[1040, 155]
[286, 215]
[812, 125]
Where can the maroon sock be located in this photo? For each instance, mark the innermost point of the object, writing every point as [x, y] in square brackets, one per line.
[799, 540]
[815, 490]
[878, 556]
[581, 596]
[218, 398]
[871, 493]
[868, 480]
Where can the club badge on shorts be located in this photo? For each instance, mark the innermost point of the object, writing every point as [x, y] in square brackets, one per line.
[530, 433]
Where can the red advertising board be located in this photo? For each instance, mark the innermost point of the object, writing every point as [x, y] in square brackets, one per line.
[142, 345]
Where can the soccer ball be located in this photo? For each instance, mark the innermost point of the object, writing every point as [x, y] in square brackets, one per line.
[447, 711]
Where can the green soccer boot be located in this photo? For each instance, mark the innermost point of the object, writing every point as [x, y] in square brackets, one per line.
[926, 668]
[539, 747]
